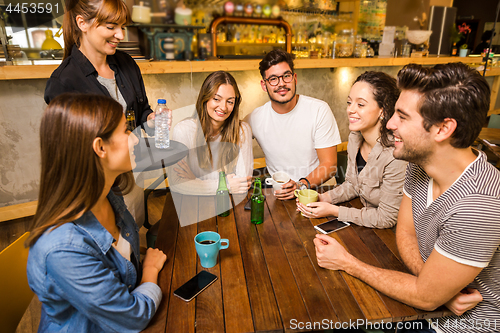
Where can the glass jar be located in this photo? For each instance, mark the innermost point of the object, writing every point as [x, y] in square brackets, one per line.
[364, 50]
[370, 53]
[345, 43]
[357, 51]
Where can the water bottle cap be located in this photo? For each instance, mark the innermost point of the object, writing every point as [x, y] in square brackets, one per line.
[162, 101]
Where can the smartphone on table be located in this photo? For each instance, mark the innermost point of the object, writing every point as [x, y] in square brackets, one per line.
[331, 226]
[196, 285]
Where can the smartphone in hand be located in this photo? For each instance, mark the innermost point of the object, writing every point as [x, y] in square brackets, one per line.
[196, 285]
[331, 226]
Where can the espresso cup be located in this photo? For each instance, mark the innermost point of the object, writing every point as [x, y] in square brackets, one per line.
[306, 196]
[208, 244]
[277, 180]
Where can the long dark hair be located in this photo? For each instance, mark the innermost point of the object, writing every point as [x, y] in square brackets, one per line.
[72, 177]
[385, 93]
[230, 131]
[101, 11]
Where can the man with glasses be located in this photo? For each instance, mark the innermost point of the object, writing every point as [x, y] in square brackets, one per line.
[297, 133]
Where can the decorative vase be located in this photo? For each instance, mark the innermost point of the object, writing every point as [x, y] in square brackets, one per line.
[463, 52]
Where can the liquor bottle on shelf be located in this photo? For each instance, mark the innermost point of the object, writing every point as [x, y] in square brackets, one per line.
[258, 38]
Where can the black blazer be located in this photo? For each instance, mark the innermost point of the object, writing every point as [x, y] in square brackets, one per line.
[77, 74]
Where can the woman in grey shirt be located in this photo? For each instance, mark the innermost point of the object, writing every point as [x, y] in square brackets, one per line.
[373, 174]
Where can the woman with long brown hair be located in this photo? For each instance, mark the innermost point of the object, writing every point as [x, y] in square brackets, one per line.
[218, 141]
[84, 262]
[373, 174]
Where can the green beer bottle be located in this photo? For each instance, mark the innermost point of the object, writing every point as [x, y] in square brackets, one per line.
[257, 203]
[222, 196]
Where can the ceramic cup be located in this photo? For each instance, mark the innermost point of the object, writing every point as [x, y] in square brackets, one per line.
[208, 244]
[141, 13]
[277, 180]
[306, 196]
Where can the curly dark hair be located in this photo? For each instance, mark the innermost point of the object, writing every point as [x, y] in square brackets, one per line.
[275, 57]
[386, 93]
[452, 90]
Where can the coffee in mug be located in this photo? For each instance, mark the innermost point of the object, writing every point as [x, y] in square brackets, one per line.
[277, 180]
[208, 244]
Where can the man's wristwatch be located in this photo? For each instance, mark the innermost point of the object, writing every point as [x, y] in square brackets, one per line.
[302, 186]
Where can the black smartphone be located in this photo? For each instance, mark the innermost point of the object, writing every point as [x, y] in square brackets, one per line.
[196, 285]
[331, 226]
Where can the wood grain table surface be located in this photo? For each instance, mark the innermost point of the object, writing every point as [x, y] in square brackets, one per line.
[269, 279]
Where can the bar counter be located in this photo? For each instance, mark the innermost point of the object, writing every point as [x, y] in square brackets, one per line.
[20, 72]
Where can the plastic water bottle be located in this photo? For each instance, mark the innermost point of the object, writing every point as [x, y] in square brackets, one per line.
[162, 139]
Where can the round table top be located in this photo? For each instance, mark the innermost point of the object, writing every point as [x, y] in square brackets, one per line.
[148, 157]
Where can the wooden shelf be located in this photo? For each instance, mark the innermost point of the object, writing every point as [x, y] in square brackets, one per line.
[23, 72]
[249, 44]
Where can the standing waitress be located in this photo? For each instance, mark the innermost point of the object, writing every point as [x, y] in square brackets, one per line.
[92, 31]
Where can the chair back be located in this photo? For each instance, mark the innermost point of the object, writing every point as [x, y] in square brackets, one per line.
[494, 121]
[341, 167]
[16, 294]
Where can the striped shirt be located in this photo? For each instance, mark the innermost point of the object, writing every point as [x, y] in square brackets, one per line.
[463, 224]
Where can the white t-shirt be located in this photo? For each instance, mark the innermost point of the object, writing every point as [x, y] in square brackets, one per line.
[206, 181]
[123, 247]
[290, 140]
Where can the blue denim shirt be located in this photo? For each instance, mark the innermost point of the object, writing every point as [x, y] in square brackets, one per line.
[84, 284]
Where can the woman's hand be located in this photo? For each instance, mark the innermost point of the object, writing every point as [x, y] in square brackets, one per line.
[317, 209]
[325, 197]
[151, 119]
[183, 171]
[152, 265]
[240, 184]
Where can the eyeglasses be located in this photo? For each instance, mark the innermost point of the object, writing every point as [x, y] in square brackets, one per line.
[275, 80]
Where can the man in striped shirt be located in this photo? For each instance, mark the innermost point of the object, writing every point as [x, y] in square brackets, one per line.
[448, 231]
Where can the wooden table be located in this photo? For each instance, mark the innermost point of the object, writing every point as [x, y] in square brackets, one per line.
[488, 134]
[269, 279]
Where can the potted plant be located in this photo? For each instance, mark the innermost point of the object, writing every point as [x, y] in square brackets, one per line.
[464, 31]
[463, 50]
